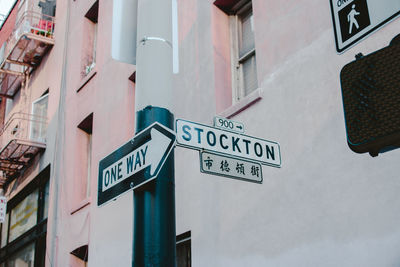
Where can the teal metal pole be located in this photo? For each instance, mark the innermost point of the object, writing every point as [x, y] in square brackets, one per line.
[154, 205]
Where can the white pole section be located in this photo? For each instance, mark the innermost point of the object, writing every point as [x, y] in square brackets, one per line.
[175, 37]
[154, 55]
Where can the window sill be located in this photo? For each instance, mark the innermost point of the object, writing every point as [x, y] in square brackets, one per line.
[81, 205]
[243, 104]
[87, 78]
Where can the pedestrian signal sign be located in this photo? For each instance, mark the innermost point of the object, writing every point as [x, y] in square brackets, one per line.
[371, 101]
[354, 20]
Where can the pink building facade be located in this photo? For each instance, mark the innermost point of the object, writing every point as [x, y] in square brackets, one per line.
[271, 65]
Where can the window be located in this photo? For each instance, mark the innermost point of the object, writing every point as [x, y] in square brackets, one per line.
[80, 256]
[48, 7]
[22, 8]
[23, 235]
[4, 231]
[10, 103]
[243, 53]
[24, 257]
[23, 216]
[90, 40]
[46, 200]
[84, 159]
[39, 119]
[183, 250]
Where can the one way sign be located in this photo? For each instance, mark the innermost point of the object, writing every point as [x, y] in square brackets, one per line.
[135, 163]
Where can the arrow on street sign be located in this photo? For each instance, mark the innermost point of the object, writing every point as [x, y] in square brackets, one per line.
[135, 163]
[229, 125]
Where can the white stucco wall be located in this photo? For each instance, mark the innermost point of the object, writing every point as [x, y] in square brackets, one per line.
[326, 206]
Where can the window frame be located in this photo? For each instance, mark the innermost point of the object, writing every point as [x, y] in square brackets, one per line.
[89, 165]
[238, 87]
[37, 233]
[91, 17]
[85, 134]
[42, 124]
[33, 196]
[182, 240]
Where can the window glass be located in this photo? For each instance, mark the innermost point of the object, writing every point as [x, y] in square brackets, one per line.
[39, 120]
[46, 200]
[4, 228]
[24, 216]
[48, 8]
[3, 47]
[249, 75]
[9, 105]
[246, 33]
[183, 254]
[244, 52]
[183, 250]
[23, 258]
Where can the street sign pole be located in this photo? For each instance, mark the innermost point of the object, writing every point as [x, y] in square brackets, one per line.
[154, 205]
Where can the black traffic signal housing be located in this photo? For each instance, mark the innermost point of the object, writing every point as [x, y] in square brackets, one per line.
[371, 100]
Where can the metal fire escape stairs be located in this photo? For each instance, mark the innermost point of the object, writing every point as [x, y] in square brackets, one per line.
[20, 55]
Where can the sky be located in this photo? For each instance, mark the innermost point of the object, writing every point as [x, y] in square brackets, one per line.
[5, 6]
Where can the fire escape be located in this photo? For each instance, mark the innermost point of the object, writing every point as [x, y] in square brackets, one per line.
[23, 135]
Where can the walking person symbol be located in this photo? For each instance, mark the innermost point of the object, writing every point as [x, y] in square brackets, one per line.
[354, 20]
[351, 18]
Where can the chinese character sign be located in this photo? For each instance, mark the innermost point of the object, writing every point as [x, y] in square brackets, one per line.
[231, 167]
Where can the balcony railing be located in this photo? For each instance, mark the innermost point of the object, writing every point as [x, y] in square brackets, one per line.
[22, 138]
[24, 49]
[32, 23]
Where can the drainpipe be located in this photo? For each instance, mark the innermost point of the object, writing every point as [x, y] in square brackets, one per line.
[154, 206]
[57, 164]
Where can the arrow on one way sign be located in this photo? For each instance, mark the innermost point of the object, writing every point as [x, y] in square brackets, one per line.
[135, 163]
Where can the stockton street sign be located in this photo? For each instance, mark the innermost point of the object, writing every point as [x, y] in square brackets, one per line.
[202, 137]
[135, 163]
[354, 20]
[230, 167]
